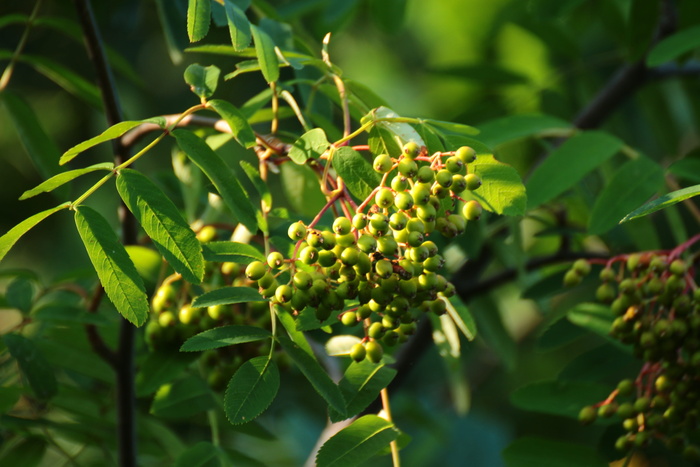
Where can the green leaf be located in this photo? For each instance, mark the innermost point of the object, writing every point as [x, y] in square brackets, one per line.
[502, 191]
[9, 396]
[302, 190]
[339, 345]
[529, 451]
[265, 51]
[238, 26]
[163, 223]
[202, 454]
[183, 399]
[595, 317]
[356, 443]
[568, 164]
[202, 79]
[251, 390]
[316, 375]
[357, 173]
[114, 268]
[289, 323]
[234, 252]
[221, 176]
[459, 313]
[115, 131]
[661, 202]
[159, 368]
[311, 145]
[228, 296]
[404, 131]
[20, 294]
[198, 19]
[63, 178]
[260, 185]
[224, 336]
[559, 397]
[148, 263]
[240, 128]
[674, 46]
[633, 183]
[515, 127]
[41, 149]
[687, 168]
[63, 313]
[34, 367]
[14, 234]
[361, 385]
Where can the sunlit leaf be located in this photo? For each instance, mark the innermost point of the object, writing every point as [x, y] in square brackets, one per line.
[310, 145]
[361, 385]
[223, 336]
[221, 176]
[63, 178]
[251, 390]
[14, 234]
[238, 25]
[114, 268]
[564, 398]
[515, 127]
[203, 80]
[356, 443]
[265, 51]
[227, 296]
[356, 172]
[198, 19]
[663, 202]
[234, 252]
[240, 128]
[159, 368]
[115, 131]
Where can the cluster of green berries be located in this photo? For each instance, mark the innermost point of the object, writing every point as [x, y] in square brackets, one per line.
[173, 320]
[378, 268]
[656, 305]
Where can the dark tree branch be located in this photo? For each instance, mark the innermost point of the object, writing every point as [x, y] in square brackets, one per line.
[124, 364]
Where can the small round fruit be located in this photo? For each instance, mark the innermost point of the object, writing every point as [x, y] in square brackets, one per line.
[215, 312]
[275, 259]
[384, 198]
[297, 231]
[358, 352]
[444, 178]
[454, 164]
[284, 293]
[411, 150]
[582, 266]
[408, 168]
[473, 181]
[349, 318]
[374, 351]
[342, 226]
[403, 201]
[466, 154]
[572, 278]
[166, 319]
[359, 221]
[255, 270]
[587, 415]
[472, 210]
[207, 234]
[459, 184]
[382, 163]
[187, 314]
[425, 175]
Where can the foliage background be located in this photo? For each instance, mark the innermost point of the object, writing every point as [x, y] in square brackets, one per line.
[468, 61]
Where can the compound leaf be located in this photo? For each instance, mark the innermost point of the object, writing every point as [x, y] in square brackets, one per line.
[311, 145]
[234, 252]
[198, 19]
[251, 390]
[114, 268]
[674, 46]
[361, 385]
[356, 172]
[63, 178]
[515, 127]
[227, 296]
[238, 26]
[663, 202]
[265, 51]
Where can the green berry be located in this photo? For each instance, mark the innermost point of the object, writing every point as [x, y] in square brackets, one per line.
[454, 164]
[308, 255]
[374, 351]
[375, 331]
[444, 178]
[403, 201]
[399, 183]
[582, 266]
[349, 318]
[207, 234]
[358, 352]
[459, 184]
[408, 168]
[382, 163]
[572, 278]
[359, 221]
[425, 175]
[466, 154]
[297, 231]
[255, 270]
[342, 226]
[284, 293]
[411, 150]
[678, 267]
[384, 198]
[588, 415]
[302, 280]
[275, 259]
[473, 181]
[421, 194]
[472, 210]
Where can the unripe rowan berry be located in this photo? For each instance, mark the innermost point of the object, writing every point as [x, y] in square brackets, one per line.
[359, 221]
[375, 331]
[387, 246]
[384, 198]
[420, 193]
[444, 178]
[408, 168]
[403, 201]
[466, 154]
[358, 352]
[207, 234]
[275, 259]
[473, 181]
[472, 210]
[342, 226]
[255, 270]
[588, 415]
[382, 163]
[215, 312]
[425, 175]
[297, 231]
[284, 293]
[411, 150]
[454, 164]
[349, 318]
[374, 351]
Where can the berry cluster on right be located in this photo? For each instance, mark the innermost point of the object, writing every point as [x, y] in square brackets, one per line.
[656, 304]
